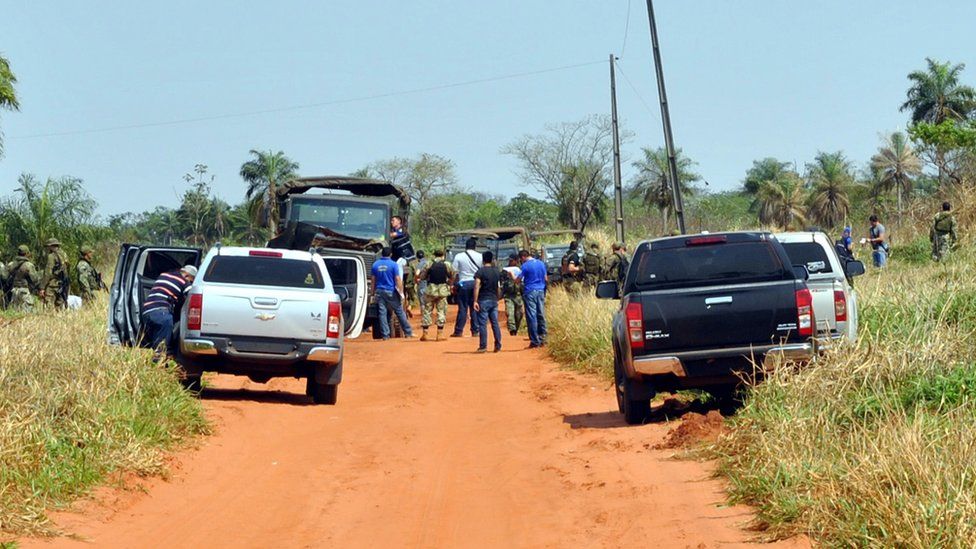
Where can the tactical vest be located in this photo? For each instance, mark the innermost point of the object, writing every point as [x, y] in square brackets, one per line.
[18, 275]
[591, 264]
[943, 224]
[437, 273]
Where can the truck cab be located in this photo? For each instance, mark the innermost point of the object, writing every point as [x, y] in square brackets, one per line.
[354, 214]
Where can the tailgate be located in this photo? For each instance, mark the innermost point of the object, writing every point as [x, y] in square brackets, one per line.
[823, 303]
[257, 311]
[719, 316]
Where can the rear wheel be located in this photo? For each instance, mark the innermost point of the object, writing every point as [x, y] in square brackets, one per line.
[192, 383]
[322, 393]
[636, 411]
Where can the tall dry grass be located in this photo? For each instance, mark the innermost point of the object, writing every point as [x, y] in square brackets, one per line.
[579, 331]
[73, 409]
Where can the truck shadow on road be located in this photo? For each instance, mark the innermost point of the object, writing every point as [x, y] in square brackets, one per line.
[670, 410]
[270, 396]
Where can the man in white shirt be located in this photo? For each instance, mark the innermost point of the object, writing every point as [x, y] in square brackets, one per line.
[466, 264]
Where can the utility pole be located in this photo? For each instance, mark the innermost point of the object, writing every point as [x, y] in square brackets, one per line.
[618, 191]
[666, 121]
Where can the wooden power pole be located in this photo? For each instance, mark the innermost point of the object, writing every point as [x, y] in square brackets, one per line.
[618, 191]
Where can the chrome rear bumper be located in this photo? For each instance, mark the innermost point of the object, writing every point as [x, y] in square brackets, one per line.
[767, 355]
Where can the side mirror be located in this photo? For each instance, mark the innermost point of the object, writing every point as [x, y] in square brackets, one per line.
[854, 268]
[607, 289]
[343, 293]
[800, 272]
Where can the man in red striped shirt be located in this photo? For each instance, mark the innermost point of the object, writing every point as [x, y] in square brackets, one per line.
[165, 300]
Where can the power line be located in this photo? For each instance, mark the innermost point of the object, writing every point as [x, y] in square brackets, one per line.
[634, 88]
[309, 105]
[623, 48]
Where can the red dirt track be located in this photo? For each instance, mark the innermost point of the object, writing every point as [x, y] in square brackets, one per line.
[430, 445]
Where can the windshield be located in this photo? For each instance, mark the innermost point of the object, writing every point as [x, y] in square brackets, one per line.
[359, 219]
[554, 255]
[706, 265]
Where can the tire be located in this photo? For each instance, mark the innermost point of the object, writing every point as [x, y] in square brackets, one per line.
[192, 383]
[374, 329]
[637, 411]
[322, 393]
[618, 381]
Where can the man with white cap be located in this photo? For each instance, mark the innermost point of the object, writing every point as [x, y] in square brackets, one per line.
[165, 300]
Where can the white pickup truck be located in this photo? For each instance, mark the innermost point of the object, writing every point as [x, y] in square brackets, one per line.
[256, 312]
[834, 298]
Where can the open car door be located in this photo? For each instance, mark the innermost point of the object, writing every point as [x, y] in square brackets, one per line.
[136, 271]
[349, 273]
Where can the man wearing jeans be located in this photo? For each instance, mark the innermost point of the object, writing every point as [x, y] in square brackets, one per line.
[534, 280]
[879, 242]
[465, 264]
[164, 302]
[388, 282]
[486, 285]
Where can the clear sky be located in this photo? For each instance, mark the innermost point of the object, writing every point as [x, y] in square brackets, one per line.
[745, 80]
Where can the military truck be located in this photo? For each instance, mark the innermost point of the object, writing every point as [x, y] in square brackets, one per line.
[354, 215]
[552, 254]
[501, 241]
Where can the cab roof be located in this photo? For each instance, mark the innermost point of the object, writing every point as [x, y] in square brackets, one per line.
[360, 186]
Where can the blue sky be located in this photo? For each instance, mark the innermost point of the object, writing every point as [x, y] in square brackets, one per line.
[745, 80]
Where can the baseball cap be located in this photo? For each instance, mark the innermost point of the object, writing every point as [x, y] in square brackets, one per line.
[190, 270]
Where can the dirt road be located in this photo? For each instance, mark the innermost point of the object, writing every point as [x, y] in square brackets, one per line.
[430, 445]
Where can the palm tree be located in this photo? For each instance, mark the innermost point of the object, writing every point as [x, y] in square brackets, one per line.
[652, 182]
[8, 96]
[263, 174]
[781, 202]
[830, 176]
[936, 94]
[894, 166]
[767, 169]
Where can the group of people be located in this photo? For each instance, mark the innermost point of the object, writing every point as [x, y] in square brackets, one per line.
[942, 235]
[584, 272]
[24, 285]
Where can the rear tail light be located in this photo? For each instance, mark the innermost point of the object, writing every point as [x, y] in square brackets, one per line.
[265, 253]
[194, 315]
[334, 321]
[706, 240]
[840, 306]
[804, 312]
[635, 325]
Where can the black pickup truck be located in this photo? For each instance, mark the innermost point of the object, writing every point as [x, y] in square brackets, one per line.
[695, 310]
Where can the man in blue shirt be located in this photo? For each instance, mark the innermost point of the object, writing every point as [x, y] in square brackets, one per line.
[534, 279]
[387, 281]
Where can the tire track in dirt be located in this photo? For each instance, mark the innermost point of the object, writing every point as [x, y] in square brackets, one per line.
[430, 445]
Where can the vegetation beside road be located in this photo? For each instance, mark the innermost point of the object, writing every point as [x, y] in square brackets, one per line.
[74, 409]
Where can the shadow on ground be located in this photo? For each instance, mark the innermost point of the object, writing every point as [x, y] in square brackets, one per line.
[268, 397]
[669, 410]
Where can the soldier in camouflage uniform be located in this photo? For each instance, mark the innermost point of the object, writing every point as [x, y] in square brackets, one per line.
[512, 294]
[410, 284]
[617, 264]
[943, 232]
[571, 269]
[438, 276]
[24, 280]
[89, 281]
[55, 275]
[592, 265]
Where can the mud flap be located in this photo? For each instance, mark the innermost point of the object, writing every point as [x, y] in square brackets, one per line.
[329, 375]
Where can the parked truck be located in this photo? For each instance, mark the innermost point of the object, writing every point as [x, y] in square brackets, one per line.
[699, 311]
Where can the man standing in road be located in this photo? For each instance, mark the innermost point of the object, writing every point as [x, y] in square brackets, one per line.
[486, 291]
[388, 282]
[534, 280]
[512, 293]
[878, 239]
[24, 280]
[437, 277]
[165, 300]
[466, 264]
[54, 283]
[943, 232]
[422, 263]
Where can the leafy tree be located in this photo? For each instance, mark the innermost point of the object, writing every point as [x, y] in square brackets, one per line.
[424, 178]
[782, 202]
[532, 213]
[58, 208]
[570, 164]
[894, 166]
[937, 95]
[8, 95]
[830, 175]
[263, 174]
[196, 205]
[767, 169]
[652, 182]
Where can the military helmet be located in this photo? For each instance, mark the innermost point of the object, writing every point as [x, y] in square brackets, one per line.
[23, 250]
[85, 250]
[53, 242]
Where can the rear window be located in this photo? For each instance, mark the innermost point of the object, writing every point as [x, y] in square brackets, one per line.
[809, 254]
[708, 265]
[264, 271]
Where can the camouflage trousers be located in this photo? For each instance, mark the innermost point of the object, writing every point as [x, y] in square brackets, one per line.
[941, 246]
[515, 312]
[21, 299]
[52, 298]
[432, 302]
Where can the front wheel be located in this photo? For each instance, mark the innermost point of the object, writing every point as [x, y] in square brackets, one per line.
[322, 393]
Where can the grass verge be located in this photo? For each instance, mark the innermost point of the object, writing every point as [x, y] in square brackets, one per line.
[579, 332]
[73, 409]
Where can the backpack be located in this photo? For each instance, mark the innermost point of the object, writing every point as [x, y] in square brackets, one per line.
[591, 264]
[437, 273]
[622, 267]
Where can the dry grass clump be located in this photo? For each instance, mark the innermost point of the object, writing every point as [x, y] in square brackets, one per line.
[873, 445]
[73, 408]
[579, 331]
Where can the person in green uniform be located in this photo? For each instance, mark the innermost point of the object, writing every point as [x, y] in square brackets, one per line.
[943, 232]
[54, 281]
[24, 280]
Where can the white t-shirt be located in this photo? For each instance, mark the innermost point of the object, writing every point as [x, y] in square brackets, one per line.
[463, 265]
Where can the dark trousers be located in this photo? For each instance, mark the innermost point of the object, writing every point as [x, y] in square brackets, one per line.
[390, 301]
[488, 313]
[535, 314]
[157, 327]
[465, 300]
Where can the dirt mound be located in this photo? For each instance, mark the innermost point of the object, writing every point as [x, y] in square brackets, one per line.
[694, 429]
